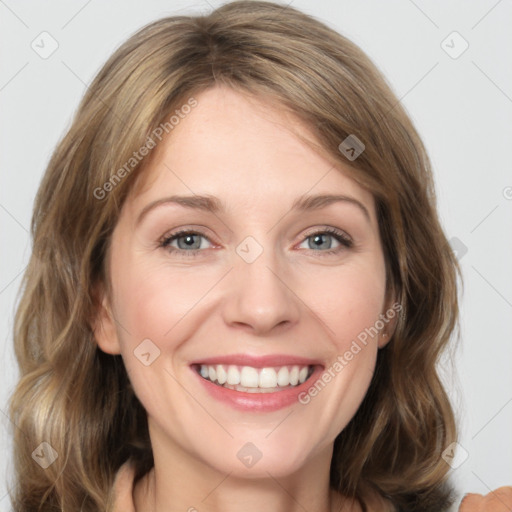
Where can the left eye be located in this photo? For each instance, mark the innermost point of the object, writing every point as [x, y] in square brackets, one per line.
[189, 242]
[318, 238]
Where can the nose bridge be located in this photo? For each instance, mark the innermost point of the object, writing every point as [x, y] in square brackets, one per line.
[259, 296]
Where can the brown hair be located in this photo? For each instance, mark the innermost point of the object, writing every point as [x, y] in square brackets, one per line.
[394, 442]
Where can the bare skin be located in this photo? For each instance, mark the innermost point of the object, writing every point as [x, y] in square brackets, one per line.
[295, 298]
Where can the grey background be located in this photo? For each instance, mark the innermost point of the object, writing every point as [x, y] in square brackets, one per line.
[461, 106]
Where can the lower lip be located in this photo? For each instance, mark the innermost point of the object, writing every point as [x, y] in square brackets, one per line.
[258, 402]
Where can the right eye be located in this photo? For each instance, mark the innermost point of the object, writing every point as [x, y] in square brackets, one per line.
[188, 243]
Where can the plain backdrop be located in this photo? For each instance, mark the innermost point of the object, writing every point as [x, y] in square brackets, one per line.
[460, 100]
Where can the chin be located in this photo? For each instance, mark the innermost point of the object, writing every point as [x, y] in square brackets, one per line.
[259, 459]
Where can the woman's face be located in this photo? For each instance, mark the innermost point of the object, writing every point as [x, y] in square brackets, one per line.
[256, 289]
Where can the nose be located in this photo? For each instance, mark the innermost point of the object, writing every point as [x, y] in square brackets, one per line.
[260, 297]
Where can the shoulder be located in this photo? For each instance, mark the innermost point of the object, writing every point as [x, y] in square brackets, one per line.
[123, 488]
[499, 500]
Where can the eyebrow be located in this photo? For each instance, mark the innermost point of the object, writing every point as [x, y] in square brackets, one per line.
[213, 204]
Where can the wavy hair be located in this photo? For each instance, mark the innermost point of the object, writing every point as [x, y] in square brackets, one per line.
[79, 400]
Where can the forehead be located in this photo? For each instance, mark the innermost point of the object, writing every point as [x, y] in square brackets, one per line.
[241, 149]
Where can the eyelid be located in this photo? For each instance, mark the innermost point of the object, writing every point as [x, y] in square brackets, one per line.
[194, 229]
[330, 230]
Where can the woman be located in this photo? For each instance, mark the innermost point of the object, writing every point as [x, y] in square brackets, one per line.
[248, 366]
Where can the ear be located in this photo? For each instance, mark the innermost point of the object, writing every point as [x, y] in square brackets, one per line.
[390, 318]
[103, 322]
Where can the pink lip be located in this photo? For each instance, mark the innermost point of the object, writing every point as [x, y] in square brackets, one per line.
[258, 402]
[258, 361]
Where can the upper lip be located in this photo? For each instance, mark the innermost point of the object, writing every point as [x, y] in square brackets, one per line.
[259, 361]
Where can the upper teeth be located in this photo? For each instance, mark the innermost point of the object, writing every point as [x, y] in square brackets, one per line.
[250, 377]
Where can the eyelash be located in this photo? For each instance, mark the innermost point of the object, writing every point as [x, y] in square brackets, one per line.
[342, 238]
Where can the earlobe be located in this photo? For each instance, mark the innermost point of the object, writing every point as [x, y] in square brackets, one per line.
[390, 315]
[384, 339]
[104, 325]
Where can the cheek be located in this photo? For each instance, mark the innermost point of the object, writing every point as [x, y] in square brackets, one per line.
[152, 298]
[152, 303]
[350, 305]
[349, 300]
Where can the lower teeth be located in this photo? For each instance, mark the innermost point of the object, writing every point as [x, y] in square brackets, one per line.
[253, 390]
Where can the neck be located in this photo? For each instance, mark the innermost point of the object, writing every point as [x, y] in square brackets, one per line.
[231, 494]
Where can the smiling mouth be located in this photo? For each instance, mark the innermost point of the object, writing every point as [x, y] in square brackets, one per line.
[255, 380]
